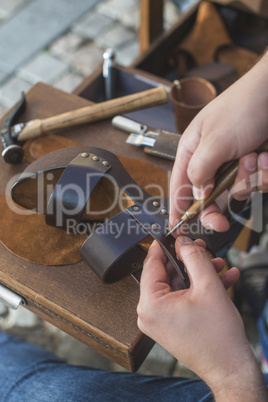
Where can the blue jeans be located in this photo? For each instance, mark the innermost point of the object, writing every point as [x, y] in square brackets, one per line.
[29, 373]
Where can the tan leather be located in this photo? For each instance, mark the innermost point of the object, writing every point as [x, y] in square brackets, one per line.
[208, 35]
[30, 238]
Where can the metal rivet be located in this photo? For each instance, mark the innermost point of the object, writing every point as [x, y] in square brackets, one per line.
[155, 226]
[85, 155]
[95, 158]
[164, 211]
[136, 209]
[156, 204]
[105, 163]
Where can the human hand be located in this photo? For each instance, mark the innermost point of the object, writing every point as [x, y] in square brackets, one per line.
[200, 326]
[231, 127]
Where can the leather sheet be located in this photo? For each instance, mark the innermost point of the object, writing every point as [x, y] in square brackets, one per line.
[29, 237]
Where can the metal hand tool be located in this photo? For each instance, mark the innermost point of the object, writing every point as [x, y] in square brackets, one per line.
[12, 136]
[139, 133]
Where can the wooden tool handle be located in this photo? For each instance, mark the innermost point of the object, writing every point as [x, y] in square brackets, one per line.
[96, 112]
[224, 182]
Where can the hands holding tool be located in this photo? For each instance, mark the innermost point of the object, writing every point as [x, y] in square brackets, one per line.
[232, 126]
[200, 326]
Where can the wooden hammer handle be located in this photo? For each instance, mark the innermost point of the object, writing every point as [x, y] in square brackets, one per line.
[96, 112]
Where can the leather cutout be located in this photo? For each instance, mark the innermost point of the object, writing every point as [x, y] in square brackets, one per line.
[120, 253]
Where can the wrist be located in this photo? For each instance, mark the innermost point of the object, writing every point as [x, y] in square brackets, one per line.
[246, 384]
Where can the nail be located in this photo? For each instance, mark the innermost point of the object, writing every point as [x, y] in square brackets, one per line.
[198, 193]
[250, 164]
[185, 240]
[264, 160]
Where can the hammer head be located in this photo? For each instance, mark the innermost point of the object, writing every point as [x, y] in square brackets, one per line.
[13, 152]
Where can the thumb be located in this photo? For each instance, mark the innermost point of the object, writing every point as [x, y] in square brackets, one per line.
[196, 260]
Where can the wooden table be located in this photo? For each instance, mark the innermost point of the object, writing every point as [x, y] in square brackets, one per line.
[72, 297]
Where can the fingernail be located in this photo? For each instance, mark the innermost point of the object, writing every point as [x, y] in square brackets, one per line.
[198, 194]
[264, 161]
[185, 240]
[250, 164]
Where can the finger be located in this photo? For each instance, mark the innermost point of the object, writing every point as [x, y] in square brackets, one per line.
[180, 185]
[263, 172]
[200, 242]
[213, 219]
[218, 264]
[230, 277]
[196, 260]
[246, 179]
[154, 273]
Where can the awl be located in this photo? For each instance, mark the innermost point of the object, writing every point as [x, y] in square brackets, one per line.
[224, 182]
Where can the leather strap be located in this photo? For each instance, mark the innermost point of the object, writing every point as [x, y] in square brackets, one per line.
[73, 189]
[165, 145]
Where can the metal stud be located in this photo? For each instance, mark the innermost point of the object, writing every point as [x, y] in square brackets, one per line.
[156, 204]
[85, 155]
[105, 163]
[136, 209]
[95, 158]
[164, 211]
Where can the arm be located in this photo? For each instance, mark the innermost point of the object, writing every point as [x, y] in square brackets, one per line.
[230, 127]
[200, 326]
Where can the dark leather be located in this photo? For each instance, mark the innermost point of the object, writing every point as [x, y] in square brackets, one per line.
[111, 255]
[165, 145]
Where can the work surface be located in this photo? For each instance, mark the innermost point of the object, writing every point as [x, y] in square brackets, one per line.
[72, 297]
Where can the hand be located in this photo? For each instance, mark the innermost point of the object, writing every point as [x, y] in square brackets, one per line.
[200, 326]
[232, 126]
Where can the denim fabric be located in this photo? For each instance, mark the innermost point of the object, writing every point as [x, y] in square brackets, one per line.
[29, 373]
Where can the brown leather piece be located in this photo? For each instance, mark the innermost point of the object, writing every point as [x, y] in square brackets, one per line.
[202, 44]
[165, 146]
[35, 149]
[30, 238]
[77, 163]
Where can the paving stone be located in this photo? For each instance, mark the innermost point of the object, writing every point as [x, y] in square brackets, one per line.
[115, 37]
[86, 59]
[93, 25]
[75, 352]
[68, 82]
[158, 362]
[114, 8]
[67, 44]
[127, 54]
[10, 92]
[34, 28]
[20, 318]
[9, 7]
[45, 68]
[130, 18]
[171, 14]
[3, 109]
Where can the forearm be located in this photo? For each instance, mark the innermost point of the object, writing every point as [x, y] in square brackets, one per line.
[247, 385]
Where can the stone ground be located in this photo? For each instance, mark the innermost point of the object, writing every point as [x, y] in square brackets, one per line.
[60, 43]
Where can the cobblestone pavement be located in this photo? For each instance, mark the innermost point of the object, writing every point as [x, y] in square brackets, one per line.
[60, 43]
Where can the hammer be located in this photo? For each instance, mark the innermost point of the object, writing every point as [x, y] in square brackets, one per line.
[12, 136]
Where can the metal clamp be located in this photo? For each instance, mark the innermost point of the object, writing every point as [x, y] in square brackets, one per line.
[10, 299]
